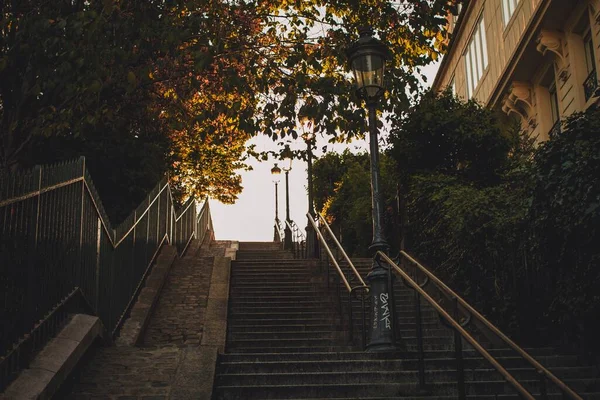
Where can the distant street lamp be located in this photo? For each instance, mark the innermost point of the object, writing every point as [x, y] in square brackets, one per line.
[288, 244]
[311, 235]
[275, 171]
[367, 58]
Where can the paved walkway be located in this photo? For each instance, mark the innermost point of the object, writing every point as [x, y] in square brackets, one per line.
[166, 364]
[179, 315]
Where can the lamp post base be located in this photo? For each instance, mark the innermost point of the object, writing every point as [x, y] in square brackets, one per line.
[310, 242]
[382, 326]
[287, 241]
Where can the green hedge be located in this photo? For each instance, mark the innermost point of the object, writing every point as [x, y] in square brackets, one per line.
[520, 238]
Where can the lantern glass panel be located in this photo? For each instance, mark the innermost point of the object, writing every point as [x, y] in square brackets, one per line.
[368, 71]
[275, 170]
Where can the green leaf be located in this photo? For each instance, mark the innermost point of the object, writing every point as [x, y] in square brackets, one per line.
[131, 79]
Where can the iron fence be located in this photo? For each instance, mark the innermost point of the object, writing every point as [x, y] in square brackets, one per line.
[59, 252]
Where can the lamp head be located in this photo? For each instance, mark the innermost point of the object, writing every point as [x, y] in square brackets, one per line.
[275, 170]
[367, 57]
[287, 157]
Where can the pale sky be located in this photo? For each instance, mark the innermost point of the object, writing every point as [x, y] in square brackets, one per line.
[251, 217]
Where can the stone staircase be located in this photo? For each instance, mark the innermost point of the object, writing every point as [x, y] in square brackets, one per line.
[286, 340]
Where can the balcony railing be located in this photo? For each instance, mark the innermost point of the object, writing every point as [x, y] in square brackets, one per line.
[556, 129]
[590, 85]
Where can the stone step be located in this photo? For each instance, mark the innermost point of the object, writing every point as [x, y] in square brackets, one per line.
[274, 261]
[551, 396]
[271, 296]
[287, 339]
[302, 320]
[265, 246]
[332, 334]
[269, 268]
[245, 256]
[253, 276]
[308, 292]
[280, 308]
[360, 355]
[307, 348]
[280, 284]
[239, 328]
[256, 274]
[555, 363]
[273, 264]
[291, 349]
[274, 257]
[250, 302]
[242, 321]
[348, 375]
[367, 389]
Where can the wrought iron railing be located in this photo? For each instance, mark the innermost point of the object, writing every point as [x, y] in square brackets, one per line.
[348, 278]
[279, 233]
[454, 317]
[556, 129]
[458, 315]
[298, 239]
[59, 253]
[590, 85]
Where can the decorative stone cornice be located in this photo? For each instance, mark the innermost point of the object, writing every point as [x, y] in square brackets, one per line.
[519, 100]
[554, 41]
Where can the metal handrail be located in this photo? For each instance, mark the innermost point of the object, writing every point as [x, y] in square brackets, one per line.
[332, 257]
[339, 246]
[292, 229]
[539, 367]
[280, 233]
[298, 238]
[138, 217]
[296, 229]
[350, 289]
[457, 326]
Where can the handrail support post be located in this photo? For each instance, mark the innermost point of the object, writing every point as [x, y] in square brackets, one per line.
[419, 327]
[460, 368]
[543, 387]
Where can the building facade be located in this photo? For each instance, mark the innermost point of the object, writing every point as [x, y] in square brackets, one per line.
[536, 60]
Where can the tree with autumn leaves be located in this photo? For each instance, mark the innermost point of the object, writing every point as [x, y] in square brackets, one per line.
[147, 87]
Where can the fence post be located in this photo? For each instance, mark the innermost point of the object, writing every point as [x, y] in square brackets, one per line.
[419, 327]
[38, 168]
[98, 243]
[460, 369]
[81, 218]
[131, 267]
[158, 215]
[148, 226]
[32, 290]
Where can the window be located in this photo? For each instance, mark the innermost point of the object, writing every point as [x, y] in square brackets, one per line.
[589, 53]
[452, 86]
[555, 114]
[554, 111]
[591, 82]
[455, 17]
[508, 9]
[476, 58]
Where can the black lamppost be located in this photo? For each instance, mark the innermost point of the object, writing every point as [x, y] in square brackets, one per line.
[275, 171]
[287, 244]
[367, 58]
[311, 235]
